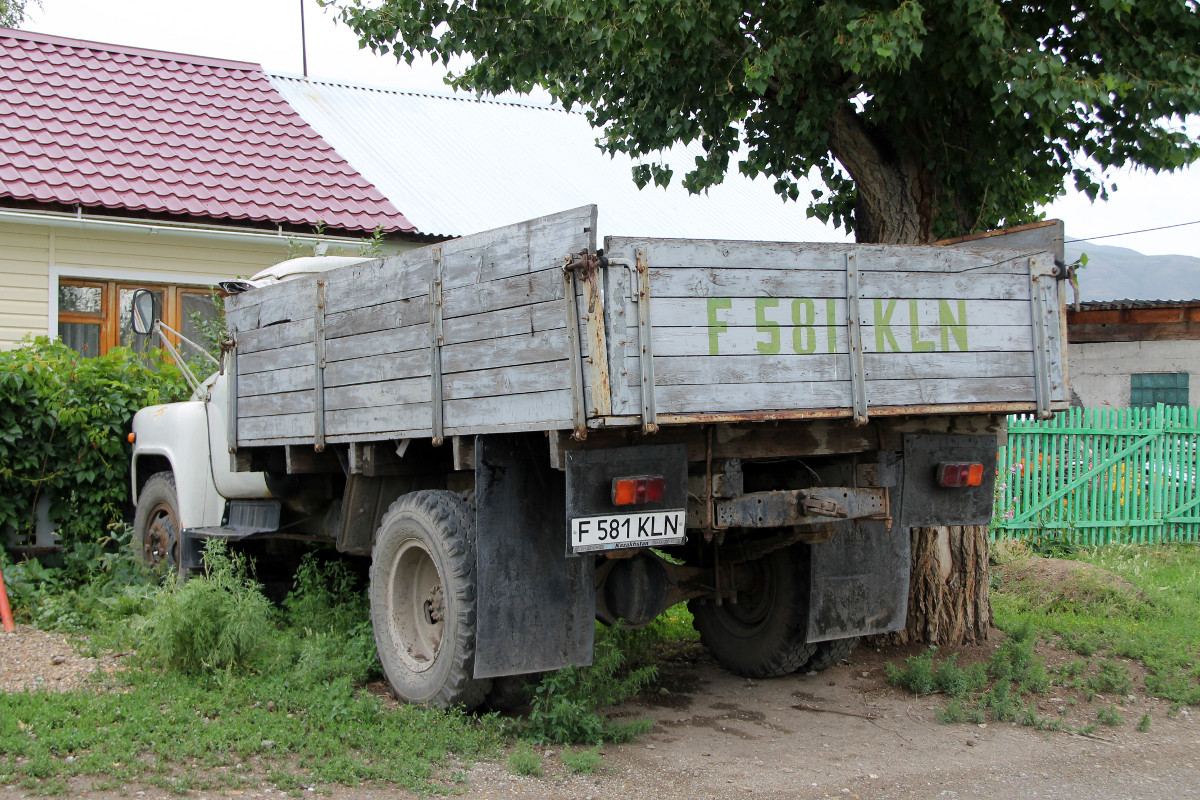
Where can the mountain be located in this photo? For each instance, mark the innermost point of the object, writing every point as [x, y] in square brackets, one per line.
[1117, 273]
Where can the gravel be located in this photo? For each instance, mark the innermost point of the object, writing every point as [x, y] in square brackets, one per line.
[33, 660]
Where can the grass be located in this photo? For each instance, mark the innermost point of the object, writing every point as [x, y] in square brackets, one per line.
[1139, 603]
[523, 761]
[227, 690]
[1151, 614]
[1000, 690]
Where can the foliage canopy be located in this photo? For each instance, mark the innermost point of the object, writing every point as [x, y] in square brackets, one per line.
[924, 118]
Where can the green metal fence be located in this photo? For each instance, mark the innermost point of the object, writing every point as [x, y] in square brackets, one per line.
[1101, 475]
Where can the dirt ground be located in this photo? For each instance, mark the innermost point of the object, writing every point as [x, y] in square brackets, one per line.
[839, 733]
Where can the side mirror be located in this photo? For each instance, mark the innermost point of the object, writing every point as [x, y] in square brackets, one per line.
[143, 311]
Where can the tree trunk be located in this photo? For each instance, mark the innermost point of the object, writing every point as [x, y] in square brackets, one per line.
[895, 194]
[948, 590]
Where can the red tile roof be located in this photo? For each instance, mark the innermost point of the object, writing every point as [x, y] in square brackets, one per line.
[104, 126]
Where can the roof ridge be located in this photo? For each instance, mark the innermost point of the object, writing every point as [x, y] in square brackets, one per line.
[166, 55]
[416, 93]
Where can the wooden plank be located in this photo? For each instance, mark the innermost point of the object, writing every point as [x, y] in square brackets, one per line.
[402, 391]
[399, 277]
[282, 404]
[388, 366]
[697, 340]
[510, 380]
[803, 311]
[292, 427]
[379, 422]
[293, 379]
[275, 336]
[517, 321]
[708, 282]
[785, 256]
[521, 290]
[381, 317]
[471, 415]
[509, 351]
[701, 370]
[782, 396]
[281, 358]
[395, 340]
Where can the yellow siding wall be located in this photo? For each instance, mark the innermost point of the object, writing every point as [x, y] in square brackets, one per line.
[30, 253]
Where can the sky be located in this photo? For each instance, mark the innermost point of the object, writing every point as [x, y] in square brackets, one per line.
[267, 32]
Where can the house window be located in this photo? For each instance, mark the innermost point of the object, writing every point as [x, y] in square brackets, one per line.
[96, 316]
[1148, 389]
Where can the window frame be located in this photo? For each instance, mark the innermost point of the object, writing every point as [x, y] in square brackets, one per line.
[110, 284]
[1156, 392]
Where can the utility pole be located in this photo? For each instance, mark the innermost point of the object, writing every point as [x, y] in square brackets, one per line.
[303, 43]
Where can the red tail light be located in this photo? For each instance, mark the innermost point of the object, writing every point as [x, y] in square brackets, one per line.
[637, 490]
[960, 474]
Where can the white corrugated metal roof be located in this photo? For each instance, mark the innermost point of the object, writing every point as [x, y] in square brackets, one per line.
[456, 165]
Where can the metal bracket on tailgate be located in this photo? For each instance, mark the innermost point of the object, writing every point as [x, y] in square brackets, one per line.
[435, 346]
[319, 378]
[858, 383]
[646, 357]
[1042, 280]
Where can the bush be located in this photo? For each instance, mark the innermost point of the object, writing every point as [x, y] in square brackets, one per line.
[565, 705]
[213, 622]
[63, 423]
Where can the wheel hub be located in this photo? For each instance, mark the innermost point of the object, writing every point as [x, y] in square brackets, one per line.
[162, 536]
[417, 606]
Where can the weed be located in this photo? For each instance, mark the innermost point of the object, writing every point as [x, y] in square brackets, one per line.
[1113, 678]
[565, 705]
[523, 761]
[1143, 725]
[917, 674]
[216, 621]
[1089, 729]
[584, 761]
[1109, 715]
[953, 712]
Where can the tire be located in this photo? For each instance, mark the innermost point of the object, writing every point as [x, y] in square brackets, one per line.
[509, 693]
[829, 654]
[763, 634]
[156, 522]
[422, 594]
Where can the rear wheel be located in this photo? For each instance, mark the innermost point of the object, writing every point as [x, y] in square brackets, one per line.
[829, 654]
[422, 595]
[762, 635]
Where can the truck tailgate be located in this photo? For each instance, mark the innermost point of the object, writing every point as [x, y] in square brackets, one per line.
[726, 330]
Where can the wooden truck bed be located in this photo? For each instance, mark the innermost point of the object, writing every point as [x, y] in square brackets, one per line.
[490, 333]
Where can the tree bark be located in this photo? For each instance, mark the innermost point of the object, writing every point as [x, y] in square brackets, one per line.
[948, 590]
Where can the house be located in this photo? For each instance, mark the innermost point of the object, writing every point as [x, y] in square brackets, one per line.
[123, 168]
[1135, 353]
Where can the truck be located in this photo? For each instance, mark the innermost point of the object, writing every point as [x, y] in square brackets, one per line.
[526, 433]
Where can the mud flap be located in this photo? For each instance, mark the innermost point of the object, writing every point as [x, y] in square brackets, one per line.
[536, 607]
[859, 578]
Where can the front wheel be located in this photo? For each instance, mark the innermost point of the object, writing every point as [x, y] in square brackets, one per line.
[156, 531]
[763, 634]
[422, 597]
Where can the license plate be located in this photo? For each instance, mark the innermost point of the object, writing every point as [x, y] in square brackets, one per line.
[619, 531]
